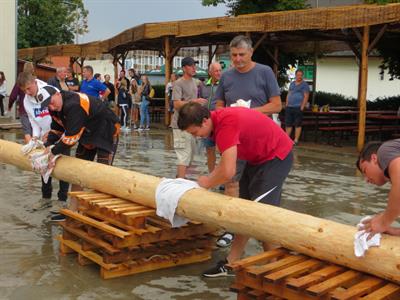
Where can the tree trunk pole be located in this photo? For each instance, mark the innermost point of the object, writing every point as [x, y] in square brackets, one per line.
[323, 239]
[168, 69]
[363, 89]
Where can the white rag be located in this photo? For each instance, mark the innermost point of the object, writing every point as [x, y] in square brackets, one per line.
[40, 164]
[361, 244]
[32, 145]
[241, 103]
[168, 194]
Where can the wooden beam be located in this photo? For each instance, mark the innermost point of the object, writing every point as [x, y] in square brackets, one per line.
[319, 238]
[276, 59]
[261, 39]
[354, 49]
[168, 70]
[272, 56]
[363, 89]
[358, 34]
[377, 38]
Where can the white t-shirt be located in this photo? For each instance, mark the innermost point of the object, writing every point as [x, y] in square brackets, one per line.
[39, 118]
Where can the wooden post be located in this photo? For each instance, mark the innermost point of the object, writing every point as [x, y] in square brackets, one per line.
[276, 60]
[363, 89]
[323, 239]
[316, 50]
[168, 70]
[210, 54]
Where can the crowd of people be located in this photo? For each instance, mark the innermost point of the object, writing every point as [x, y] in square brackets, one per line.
[229, 113]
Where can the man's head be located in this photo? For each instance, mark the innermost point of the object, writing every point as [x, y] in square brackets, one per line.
[69, 73]
[189, 66]
[87, 72]
[195, 119]
[131, 72]
[241, 48]
[122, 74]
[50, 97]
[299, 75]
[215, 71]
[368, 164]
[27, 82]
[61, 73]
[107, 78]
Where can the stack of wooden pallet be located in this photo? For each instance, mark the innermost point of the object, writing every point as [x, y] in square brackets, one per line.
[279, 274]
[126, 238]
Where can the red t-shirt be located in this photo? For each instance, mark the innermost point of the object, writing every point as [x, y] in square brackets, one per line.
[257, 137]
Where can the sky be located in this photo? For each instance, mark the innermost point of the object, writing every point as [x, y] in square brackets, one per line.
[110, 17]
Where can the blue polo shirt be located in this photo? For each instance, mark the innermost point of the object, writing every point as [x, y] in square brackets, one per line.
[296, 93]
[92, 87]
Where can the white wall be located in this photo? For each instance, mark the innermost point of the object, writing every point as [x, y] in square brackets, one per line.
[340, 75]
[8, 41]
[101, 66]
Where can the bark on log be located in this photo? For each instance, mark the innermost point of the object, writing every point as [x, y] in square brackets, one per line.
[323, 239]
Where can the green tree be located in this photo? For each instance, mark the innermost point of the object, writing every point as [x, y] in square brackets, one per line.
[238, 7]
[50, 22]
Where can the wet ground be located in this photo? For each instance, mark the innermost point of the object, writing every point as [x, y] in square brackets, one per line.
[323, 183]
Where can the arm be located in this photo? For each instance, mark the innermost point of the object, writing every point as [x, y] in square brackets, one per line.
[13, 96]
[382, 222]
[274, 105]
[106, 93]
[219, 104]
[305, 100]
[223, 172]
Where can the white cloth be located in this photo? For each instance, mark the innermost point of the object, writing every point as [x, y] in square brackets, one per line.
[361, 244]
[40, 164]
[168, 194]
[32, 145]
[241, 103]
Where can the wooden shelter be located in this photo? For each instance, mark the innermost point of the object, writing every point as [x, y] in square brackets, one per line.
[357, 27]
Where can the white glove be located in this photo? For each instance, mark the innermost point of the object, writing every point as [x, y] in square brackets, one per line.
[40, 164]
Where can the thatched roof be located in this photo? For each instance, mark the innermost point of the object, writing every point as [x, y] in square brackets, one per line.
[288, 29]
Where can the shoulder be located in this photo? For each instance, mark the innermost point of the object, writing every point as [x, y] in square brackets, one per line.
[263, 68]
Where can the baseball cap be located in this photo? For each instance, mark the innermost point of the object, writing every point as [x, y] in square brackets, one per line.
[189, 61]
[44, 95]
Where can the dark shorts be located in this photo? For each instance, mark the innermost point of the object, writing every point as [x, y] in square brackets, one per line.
[257, 180]
[293, 117]
[103, 156]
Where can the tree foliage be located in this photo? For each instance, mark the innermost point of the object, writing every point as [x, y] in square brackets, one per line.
[238, 7]
[50, 22]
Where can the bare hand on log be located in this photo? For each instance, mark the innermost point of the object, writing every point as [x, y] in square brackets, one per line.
[377, 224]
[204, 182]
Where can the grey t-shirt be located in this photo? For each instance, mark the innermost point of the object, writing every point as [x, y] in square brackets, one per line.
[386, 153]
[185, 90]
[259, 84]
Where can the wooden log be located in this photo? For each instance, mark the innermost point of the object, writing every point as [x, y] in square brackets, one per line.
[323, 239]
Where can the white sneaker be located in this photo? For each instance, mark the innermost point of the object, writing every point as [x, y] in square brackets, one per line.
[140, 129]
[41, 204]
[147, 128]
[56, 205]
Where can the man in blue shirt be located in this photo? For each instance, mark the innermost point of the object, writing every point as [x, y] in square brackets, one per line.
[91, 86]
[296, 100]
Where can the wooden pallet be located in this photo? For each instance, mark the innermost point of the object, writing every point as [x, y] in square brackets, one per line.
[129, 267]
[126, 238]
[280, 274]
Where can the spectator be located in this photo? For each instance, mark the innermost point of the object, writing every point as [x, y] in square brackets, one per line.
[168, 91]
[185, 90]
[144, 91]
[296, 100]
[124, 103]
[110, 86]
[134, 91]
[3, 91]
[58, 80]
[91, 86]
[71, 81]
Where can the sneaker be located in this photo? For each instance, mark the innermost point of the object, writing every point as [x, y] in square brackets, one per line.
[134, 126]
[140, 129]
[147, 128]
[218, 271]
[56, 205]
[225, 240]
[57, 218]
[41, 204]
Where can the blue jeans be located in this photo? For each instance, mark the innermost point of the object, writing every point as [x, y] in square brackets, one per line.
[144, 112]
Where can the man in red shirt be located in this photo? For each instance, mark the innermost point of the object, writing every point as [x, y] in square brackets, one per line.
[248, 135]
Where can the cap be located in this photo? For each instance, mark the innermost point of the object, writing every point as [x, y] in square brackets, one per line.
[44, 95]
[189, 61]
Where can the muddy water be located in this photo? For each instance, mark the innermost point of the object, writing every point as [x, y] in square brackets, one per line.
[322, 183]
